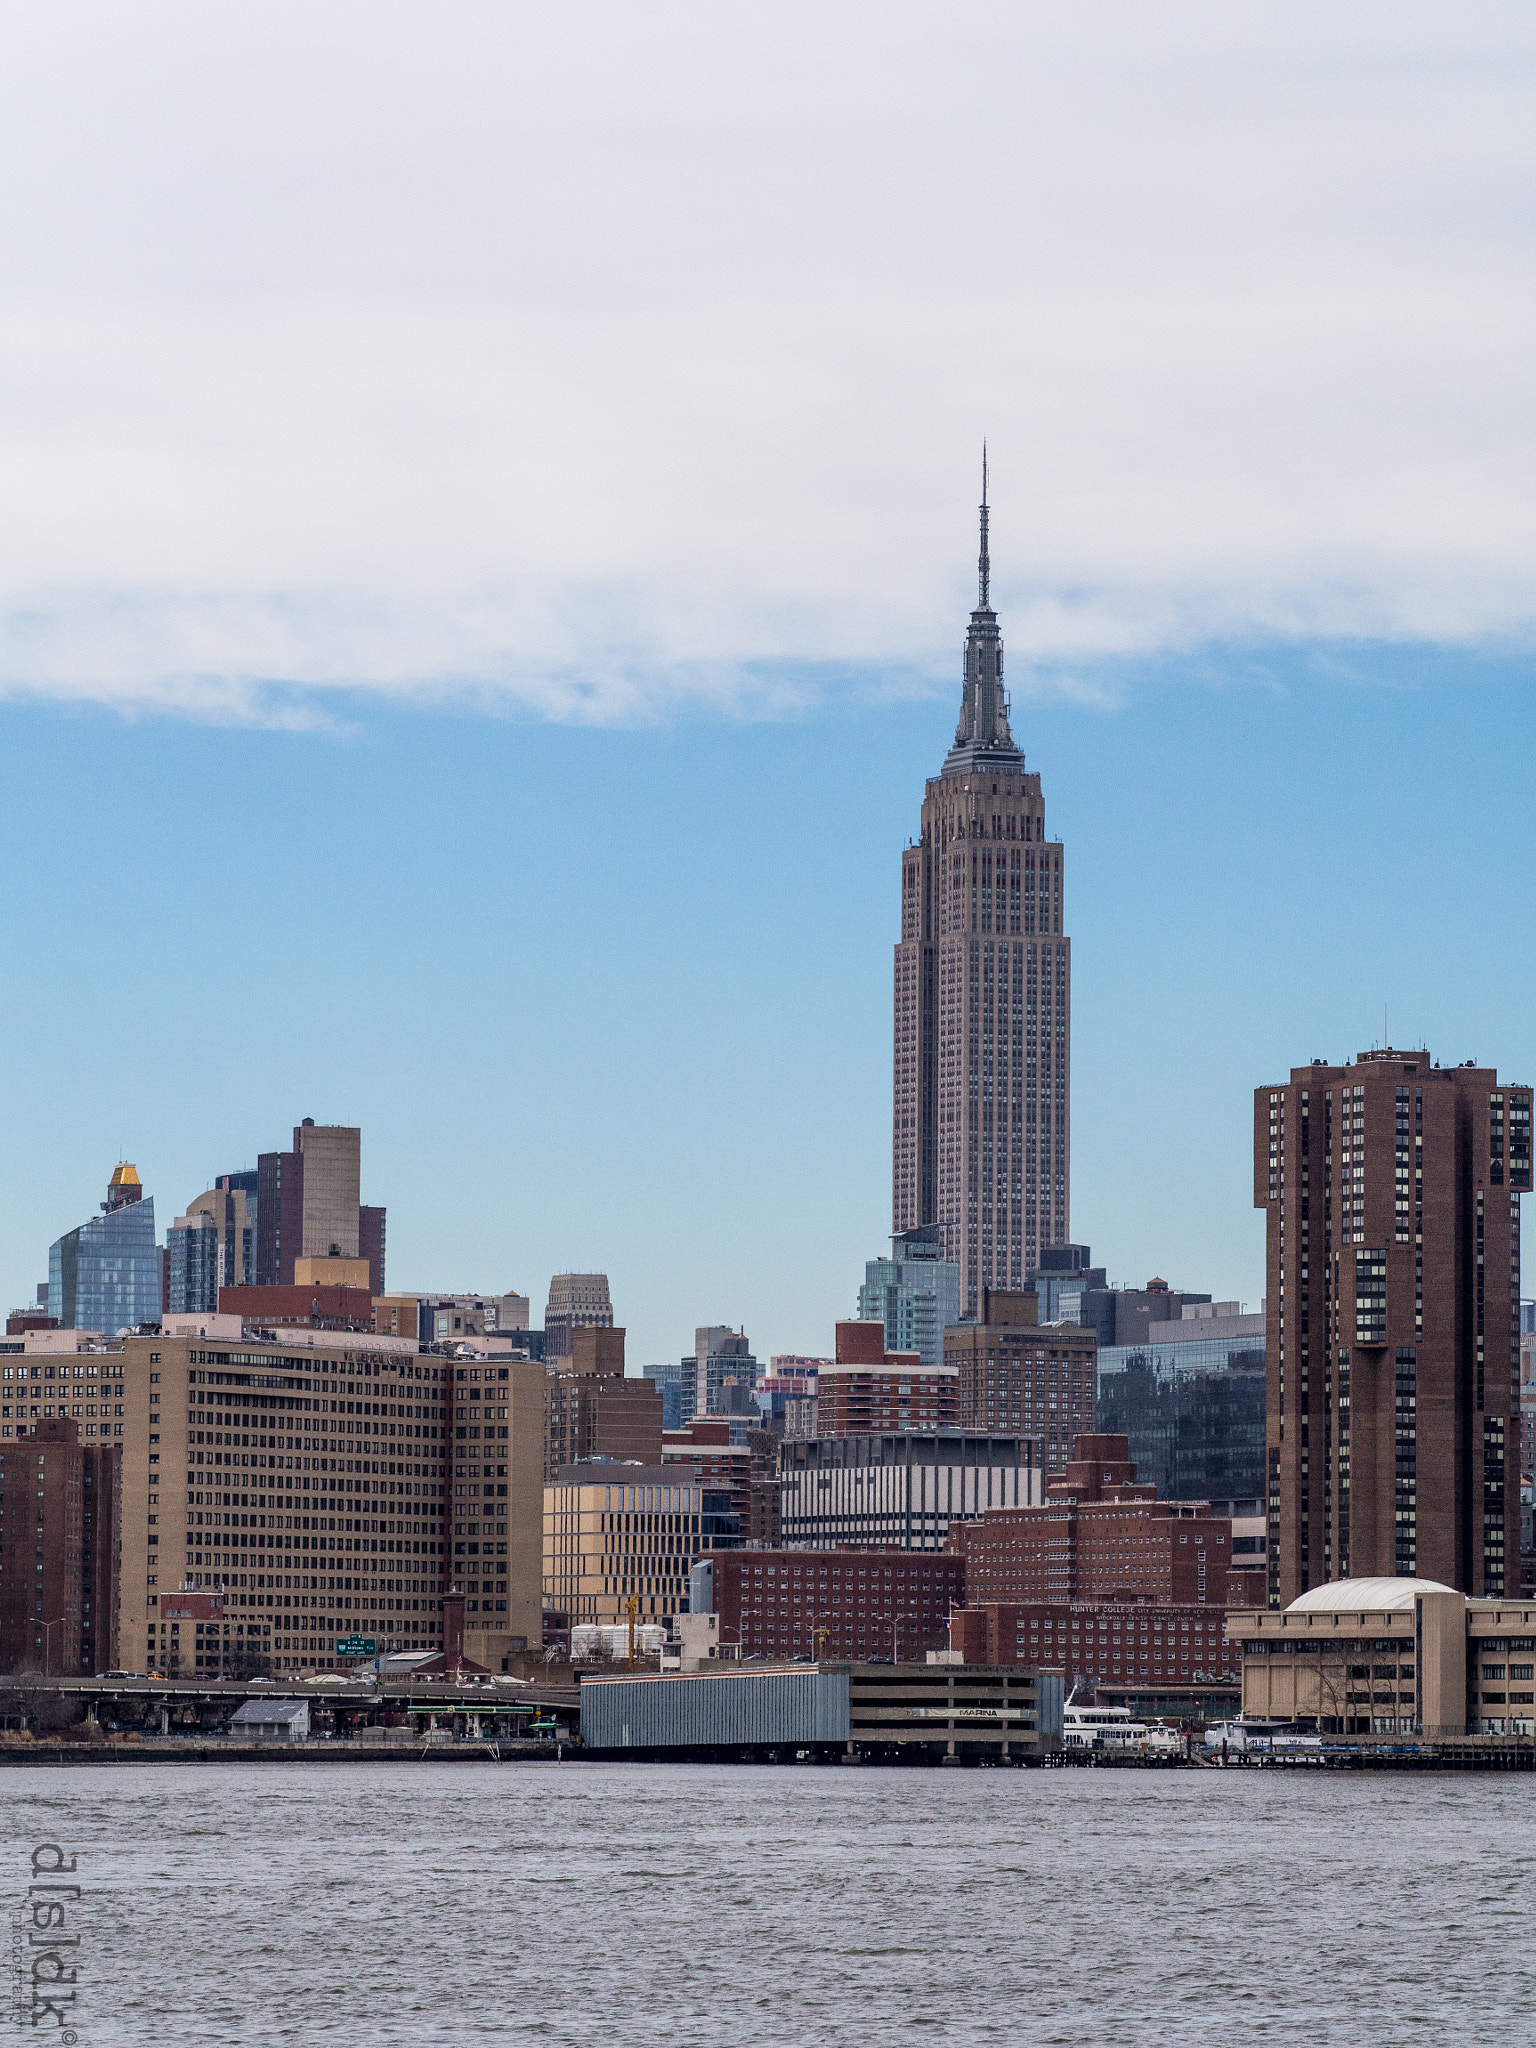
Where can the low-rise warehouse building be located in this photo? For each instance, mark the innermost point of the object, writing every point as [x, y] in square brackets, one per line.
[921, 1713]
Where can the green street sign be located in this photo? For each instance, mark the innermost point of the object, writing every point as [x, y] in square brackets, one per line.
[356, 1646]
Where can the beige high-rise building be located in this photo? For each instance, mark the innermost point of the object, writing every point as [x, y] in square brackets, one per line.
[981, 1140]
[577, 1301]
[304, 1475]
[333, 1485]
[332, 1155]
[308, 1207]
[497, 1500]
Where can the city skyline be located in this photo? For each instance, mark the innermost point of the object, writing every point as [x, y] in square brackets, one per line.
[1162, 1146]
[698, 1173]
[517, 613]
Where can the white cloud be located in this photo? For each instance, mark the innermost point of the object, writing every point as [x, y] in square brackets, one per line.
[627, 361]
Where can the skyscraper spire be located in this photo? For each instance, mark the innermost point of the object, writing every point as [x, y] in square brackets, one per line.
[984, 567]
[982, 737]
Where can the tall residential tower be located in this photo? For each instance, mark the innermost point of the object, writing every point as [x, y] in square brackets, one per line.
[1392, 1190]
[308, 1206]
[981, 1138]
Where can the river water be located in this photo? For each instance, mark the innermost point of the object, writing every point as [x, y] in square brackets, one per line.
[435, 1905]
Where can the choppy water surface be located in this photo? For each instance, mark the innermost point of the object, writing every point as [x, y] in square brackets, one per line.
[430, 1905]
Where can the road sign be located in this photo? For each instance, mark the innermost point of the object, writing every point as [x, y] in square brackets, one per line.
[356, 1646]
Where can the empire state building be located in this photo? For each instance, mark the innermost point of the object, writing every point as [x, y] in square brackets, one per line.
[981, 1135]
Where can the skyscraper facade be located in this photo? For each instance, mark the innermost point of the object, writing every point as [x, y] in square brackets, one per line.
[1190, 1402]
[723, 1366]
[983, 999]
[308, 1206]
[370, 1246]
[106, 1274]
[1016, 1375]
[192, 1265]
[577, 1301]
[1392, 1190]
[232, 1203]
[332, 1155]
[212, 1246]
[915, 1293]
[678, 1379]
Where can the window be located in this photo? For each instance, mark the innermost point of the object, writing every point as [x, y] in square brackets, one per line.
[1371, 1297]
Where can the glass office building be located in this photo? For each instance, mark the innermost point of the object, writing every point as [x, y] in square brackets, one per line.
[192, 1261]
[106, 1275]
[1194, 1414]
[677, 1380]
[915, 1293]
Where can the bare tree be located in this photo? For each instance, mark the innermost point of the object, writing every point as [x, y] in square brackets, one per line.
[1332, 1693]
[245, 1661]
[43, 1709]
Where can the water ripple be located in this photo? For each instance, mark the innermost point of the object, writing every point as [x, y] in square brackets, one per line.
[588, 1905]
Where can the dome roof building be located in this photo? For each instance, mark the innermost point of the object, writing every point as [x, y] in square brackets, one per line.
[1364, 1596]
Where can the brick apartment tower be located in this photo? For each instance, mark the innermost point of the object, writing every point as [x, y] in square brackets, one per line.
[1016, 1377]
[865, 1389]
[591, 1410]
[59, 1545]
[1392, 1191]
[983, 1001]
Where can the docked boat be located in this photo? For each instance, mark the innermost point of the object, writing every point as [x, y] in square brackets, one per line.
[1270, 1736]
[1114, 1728]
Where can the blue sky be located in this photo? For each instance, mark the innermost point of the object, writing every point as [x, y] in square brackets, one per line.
[486, 532]
[621, 997]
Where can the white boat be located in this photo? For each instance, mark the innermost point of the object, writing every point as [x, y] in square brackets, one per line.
[1270, 1736]
[1114, 1728]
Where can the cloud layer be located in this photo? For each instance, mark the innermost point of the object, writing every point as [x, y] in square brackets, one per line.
[629, 362]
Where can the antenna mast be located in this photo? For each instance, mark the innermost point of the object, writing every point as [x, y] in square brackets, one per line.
[984, 567]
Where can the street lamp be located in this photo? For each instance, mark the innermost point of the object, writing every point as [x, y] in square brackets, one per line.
[47, 1628]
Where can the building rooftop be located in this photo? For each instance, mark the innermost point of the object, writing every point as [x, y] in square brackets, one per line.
[1362, 1596]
